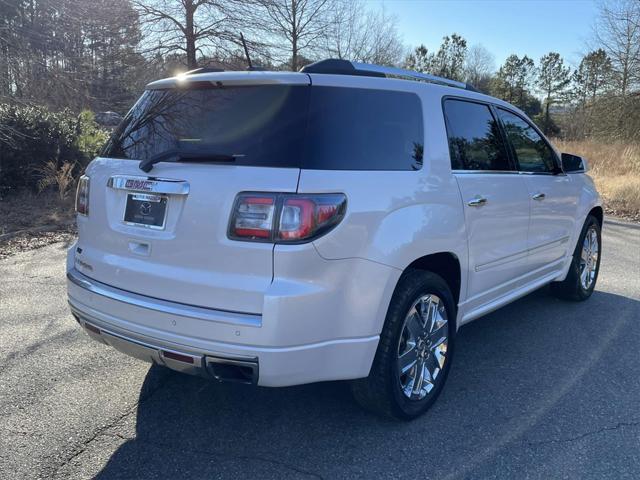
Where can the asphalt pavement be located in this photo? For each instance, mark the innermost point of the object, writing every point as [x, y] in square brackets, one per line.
[539, 389]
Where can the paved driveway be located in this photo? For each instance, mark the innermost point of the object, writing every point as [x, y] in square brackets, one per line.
[539, 389]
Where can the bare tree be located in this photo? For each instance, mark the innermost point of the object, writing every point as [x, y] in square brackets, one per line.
[364, 35]
[479, 66]
[193, 27]
[617, 31]
[294, 28]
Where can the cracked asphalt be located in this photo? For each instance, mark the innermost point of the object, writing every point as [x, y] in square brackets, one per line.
[540, 389]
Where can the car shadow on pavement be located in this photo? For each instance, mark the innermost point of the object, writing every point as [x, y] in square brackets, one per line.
[531, 374]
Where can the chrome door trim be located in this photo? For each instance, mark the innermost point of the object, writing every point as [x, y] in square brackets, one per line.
[509, 172]
[548, 174]
[166, 186]
[491, 172]
[164, 306]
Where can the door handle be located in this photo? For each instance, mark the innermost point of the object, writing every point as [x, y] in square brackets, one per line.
[478, 201]
[539, 196]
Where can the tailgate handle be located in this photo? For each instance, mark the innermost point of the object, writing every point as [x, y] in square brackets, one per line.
[140, 248]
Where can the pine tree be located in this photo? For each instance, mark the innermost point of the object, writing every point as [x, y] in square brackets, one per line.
[552, 82]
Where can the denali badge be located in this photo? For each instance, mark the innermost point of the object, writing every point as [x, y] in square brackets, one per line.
[134, 184]
[85, 265]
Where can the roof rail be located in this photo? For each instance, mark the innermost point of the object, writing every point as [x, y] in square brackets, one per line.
[345, 67]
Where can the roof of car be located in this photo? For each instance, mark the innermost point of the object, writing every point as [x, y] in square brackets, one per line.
[335, 68]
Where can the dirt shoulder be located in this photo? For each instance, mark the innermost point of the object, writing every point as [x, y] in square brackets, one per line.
[29, 221]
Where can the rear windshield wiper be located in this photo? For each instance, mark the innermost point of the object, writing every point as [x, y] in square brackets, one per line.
[179, 156]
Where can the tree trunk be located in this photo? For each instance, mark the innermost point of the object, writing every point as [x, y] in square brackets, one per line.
[294, 55]
[190, 36]
[294, 35]
[546, 115]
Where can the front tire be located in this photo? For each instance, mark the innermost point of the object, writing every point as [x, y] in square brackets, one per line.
[415, 349]
[585, 266]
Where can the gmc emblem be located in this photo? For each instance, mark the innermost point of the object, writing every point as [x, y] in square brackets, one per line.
[145, 185]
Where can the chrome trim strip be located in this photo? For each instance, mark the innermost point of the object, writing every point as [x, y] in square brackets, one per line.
[155, 352]
[501, 172]
[547, 174]
[507, 172]
[158, 305]
[149, 184]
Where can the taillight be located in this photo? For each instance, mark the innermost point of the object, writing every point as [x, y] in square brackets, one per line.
[285, 217]
[253, 216]
[82, 196]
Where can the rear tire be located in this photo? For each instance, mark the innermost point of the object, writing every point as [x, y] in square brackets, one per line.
[585, 266]
[415, 349]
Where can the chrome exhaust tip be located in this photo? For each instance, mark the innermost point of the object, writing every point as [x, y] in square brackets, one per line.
[233, 369]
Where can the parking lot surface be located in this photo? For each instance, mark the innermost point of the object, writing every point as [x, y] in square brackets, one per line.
[539, 389]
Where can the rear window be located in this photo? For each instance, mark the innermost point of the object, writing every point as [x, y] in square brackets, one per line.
[277, 126]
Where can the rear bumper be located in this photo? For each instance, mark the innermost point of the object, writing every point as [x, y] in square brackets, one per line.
[193, 339]
[240, 369]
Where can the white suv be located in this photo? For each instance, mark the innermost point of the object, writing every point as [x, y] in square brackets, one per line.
[342, 222]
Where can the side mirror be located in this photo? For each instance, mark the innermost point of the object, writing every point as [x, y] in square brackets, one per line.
[573, 163]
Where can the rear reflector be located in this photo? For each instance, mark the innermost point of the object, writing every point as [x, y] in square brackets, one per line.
[177, 357]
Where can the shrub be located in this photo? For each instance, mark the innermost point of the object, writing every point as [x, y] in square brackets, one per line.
[91, 136]
[33, 137]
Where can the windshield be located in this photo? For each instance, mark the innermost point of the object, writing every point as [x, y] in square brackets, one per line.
[277, 126]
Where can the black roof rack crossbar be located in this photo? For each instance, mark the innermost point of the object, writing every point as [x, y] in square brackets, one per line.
[345, 67]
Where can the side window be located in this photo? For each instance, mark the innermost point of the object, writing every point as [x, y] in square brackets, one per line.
[364, 129]
[474, 137]
[532, 152]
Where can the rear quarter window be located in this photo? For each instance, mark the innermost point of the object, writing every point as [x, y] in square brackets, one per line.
[363, 129]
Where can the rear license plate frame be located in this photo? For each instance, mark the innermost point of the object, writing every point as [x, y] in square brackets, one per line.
[134, 210]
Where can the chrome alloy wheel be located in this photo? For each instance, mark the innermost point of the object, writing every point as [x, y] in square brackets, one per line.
[589, 258]
[422, 348]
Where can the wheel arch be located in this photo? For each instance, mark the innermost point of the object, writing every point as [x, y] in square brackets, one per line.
[597, 212]
[444, 264]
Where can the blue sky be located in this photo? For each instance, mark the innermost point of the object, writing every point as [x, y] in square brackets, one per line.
[532, 27]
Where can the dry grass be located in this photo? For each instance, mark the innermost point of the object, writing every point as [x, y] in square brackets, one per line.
[60, 177]
[615, 168]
